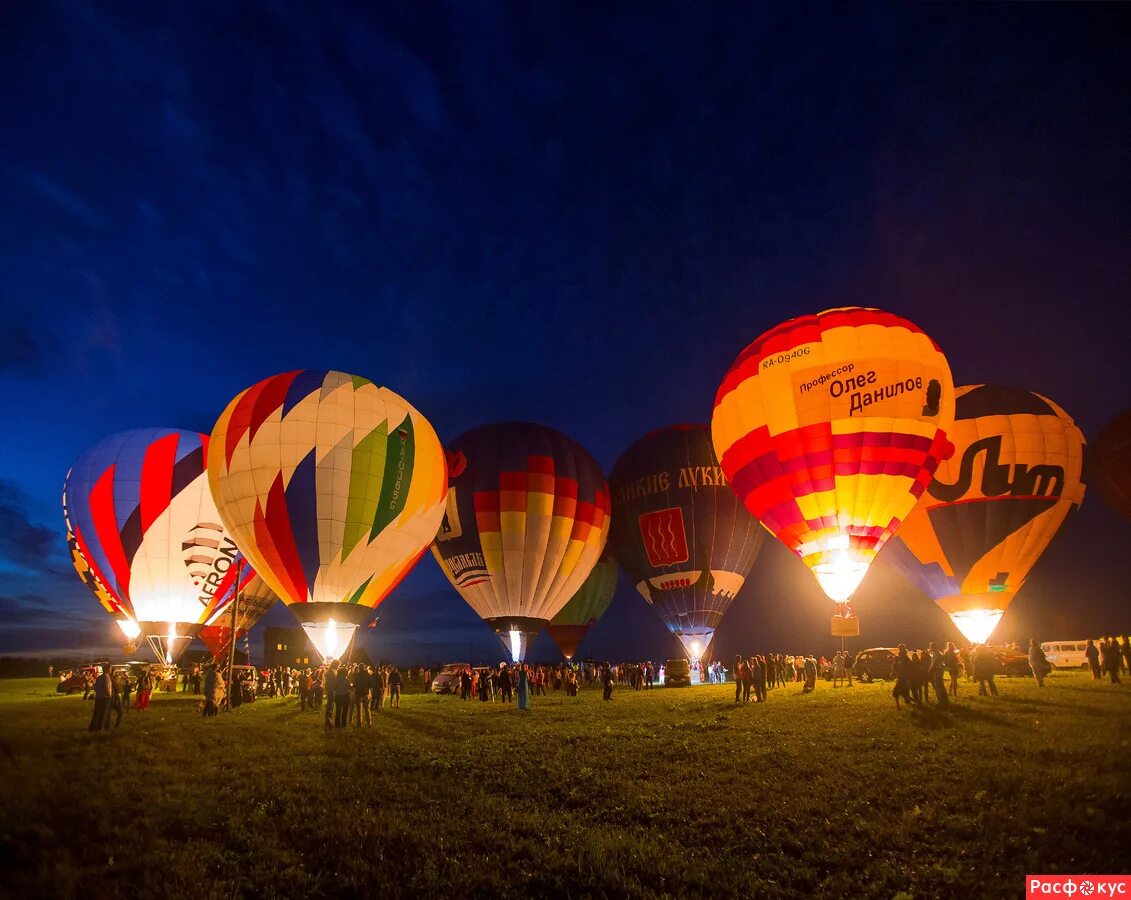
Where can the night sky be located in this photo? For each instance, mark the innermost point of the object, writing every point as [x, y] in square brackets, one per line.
[571, 214]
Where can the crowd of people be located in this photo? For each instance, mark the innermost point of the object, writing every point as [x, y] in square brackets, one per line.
[349, 693]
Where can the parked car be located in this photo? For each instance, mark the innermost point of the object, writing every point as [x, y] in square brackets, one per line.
[1012, 662]
[875, 663]
[447, 681]
[1066, 654]
[677, 673]
[79, 680]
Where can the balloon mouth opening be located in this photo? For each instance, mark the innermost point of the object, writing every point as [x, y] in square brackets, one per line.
[330, 638]
[840, 577]
[976, 625]
[129, 627]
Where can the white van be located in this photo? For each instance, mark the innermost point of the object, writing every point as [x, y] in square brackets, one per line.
[1066, 654]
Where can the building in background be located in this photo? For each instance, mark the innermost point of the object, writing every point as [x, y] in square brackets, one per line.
[284, 646]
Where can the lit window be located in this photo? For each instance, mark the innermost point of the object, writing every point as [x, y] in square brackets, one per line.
[278, 646]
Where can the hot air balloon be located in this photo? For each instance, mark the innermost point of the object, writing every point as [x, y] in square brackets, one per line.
[573, 621]
[1111, 454]
[829, 428]
[526, 520]
[255, 599]
[144, 526]
[680, 531]
[333, 487]
[993, 507]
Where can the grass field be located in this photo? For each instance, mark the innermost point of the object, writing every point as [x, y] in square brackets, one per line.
[669, 792]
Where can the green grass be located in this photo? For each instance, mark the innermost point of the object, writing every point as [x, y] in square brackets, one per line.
[668, 792]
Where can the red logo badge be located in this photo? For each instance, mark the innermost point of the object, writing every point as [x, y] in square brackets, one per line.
[665, 538]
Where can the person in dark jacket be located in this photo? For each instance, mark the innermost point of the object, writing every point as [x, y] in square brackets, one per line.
[361, 682]
[395, 687]
[607, 681]
[985, 666]
[936, 673]
[759, 679]
[739, 677]
[902, 668]
[1092, 654]
[103, 691]
[506, 685]
[341, 697]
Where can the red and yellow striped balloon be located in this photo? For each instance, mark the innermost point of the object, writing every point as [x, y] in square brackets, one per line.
[830, 427]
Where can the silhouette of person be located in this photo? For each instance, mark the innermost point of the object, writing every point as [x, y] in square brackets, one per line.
[934, 397]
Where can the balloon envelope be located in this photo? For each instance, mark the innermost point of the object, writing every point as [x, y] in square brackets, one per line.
[573, 621]
[146, 531]
[1111, 454]
[527, 518]
[681, 532]
[994, 506]
[829, 428]
[333, 487]
[255, 599]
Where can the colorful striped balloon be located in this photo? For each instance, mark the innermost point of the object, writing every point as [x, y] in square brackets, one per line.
[830, 427]
[994, 506]
[333, 487]
[256, 598]
[574, 620]
[145, 535]
[527, 518]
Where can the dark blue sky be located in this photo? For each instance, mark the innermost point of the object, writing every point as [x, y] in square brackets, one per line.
[576, 214]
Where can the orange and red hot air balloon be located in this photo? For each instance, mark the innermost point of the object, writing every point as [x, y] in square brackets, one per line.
[830, 427]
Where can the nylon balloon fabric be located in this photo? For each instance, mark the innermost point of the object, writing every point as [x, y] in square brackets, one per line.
[574, 620]
[527, 519]
[680, 531]
[255, 600]
[332, 485]
[993, 508]
[144, 527]
[830, 427]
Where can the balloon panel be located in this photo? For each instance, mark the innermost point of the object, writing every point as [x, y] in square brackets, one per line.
[256, 598]
[679, 530]
[526, 520]
[332, 485]
[830, 427]
[995, 505]
[1112, 457]
[144, 521]
[593, 597]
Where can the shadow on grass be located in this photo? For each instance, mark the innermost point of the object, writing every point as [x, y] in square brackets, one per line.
[935, 717]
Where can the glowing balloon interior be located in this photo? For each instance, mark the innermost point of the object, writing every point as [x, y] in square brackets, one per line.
[830, 427]
[994, 506]
[527, 518]
[145, 534]
[333, 488]
[680, 532]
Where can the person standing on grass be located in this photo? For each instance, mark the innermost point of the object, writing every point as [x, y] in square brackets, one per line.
[394, 688]
[985, 666]
[902, 670]
[607, 681]
[838, 668]
[1092, 655]
[361, 681]
[1038, 662]
[523, 689]
[103, 690]
[116, 683]
[739, 676]
[341, 697]
[1112, 661]
[1125, 653]
[144, 688]
[951, 664]
[759, 679]
[936, 673]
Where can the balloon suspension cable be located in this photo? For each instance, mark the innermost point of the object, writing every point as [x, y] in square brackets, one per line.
[232, 636]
